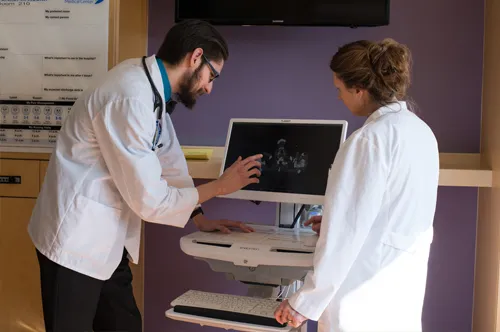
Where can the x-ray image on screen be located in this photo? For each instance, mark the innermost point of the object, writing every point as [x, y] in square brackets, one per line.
[281, 161]
[296, 156]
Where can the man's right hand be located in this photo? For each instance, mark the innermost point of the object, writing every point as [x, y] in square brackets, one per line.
[315, 222]
[238, 175]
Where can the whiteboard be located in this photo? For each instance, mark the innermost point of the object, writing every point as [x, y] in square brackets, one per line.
[50, 52]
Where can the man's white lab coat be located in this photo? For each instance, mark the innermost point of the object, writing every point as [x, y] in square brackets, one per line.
[370, 264]
[103, 176]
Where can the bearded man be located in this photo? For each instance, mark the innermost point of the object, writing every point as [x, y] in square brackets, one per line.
[117, 161]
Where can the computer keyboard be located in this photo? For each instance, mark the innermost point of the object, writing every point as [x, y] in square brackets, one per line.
[234, 308]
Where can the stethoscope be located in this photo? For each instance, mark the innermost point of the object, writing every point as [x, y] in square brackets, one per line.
[157, 107]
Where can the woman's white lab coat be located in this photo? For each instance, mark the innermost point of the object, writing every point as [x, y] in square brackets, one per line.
[370, 264]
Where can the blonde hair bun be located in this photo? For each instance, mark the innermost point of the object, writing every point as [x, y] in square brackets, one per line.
[383, 68]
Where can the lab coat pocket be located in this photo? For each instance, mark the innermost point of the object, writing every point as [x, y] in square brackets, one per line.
[96, 228]
[396, 255]
[406, 243]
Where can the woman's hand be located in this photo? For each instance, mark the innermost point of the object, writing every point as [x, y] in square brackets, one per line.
[315, 222]
[286, 314]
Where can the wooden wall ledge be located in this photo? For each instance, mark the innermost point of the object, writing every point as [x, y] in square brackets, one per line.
[457, 169]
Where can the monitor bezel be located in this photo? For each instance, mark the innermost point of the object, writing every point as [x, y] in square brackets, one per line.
[279, 21]
[277, 197]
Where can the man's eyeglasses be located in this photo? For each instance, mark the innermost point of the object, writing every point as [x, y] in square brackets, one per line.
[215, 73]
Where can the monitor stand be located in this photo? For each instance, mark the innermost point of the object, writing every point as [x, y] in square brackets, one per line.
[276, 282]
[285, 215]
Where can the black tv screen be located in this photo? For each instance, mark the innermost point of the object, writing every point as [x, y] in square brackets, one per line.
[286, 12]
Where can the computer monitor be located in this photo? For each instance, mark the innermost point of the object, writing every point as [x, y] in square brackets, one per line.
[298, 155]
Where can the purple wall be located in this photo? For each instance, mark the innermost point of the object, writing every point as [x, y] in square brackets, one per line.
[283, 72]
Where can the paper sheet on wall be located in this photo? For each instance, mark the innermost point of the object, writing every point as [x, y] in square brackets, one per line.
[50, 51]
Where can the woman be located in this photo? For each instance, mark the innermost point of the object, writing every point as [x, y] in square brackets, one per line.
[370, 264]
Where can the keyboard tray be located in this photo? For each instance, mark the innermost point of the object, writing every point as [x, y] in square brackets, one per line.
[225, 324]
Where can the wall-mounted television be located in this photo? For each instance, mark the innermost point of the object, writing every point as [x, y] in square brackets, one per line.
[350, 13]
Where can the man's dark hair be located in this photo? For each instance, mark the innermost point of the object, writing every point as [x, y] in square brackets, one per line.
[188, 35]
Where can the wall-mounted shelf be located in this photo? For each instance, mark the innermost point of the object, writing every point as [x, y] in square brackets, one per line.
[464, 170]
[206, 169]
[457, 169]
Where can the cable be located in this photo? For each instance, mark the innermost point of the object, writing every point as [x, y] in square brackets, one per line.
[297, 217]
[279, 295]
[287, 290]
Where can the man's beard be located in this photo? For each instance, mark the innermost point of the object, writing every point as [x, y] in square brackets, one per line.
[187, 94]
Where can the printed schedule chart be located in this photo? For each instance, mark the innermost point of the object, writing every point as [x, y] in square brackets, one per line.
[32, 123]
[50, 52]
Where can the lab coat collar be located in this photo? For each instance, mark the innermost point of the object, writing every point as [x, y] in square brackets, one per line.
[394, 107]
[156, 76]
